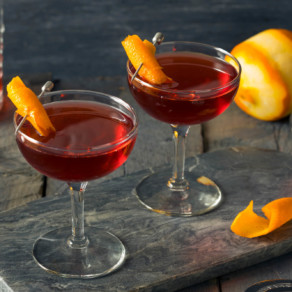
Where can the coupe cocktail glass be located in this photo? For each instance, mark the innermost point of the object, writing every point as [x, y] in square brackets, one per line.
[204, 84]
[95, 134]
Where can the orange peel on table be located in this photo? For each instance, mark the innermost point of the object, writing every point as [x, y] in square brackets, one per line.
[248, 224]
[138, 52]
[27, 103]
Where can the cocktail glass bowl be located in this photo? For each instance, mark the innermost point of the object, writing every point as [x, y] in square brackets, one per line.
[80, 252]
[182, 194]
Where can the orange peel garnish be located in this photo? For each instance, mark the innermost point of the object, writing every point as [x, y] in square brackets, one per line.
[249, 224]
[27, 103]
[150, 46]
[138, 52]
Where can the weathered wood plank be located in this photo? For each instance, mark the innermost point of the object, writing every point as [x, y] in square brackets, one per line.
[280, 268]
[19, 183]
[209, 286]
[163, 253]
[235, 128]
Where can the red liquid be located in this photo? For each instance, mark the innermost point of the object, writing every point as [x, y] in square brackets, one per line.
[190, 71]
[81, 126]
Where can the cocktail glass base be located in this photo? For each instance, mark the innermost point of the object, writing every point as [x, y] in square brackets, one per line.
[199, 197]
[104, 254]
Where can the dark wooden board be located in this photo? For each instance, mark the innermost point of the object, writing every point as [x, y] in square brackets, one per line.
[163, 253]
[280, 268]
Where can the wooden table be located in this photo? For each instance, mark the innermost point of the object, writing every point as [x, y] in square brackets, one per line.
[78, 46]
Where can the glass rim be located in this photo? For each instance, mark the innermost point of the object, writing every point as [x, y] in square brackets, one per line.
[100, 148]
[192, 91]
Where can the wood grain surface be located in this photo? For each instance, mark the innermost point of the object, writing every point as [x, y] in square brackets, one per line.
[163, 253]
[19, 182]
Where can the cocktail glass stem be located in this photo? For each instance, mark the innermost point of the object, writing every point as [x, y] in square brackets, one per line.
[78, 238]
[82, 252]
[185, 193]
[178, 182]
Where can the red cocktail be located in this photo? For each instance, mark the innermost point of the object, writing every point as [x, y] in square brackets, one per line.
[176, 103]
[205, 81]
[95, 134]
[82, 126]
